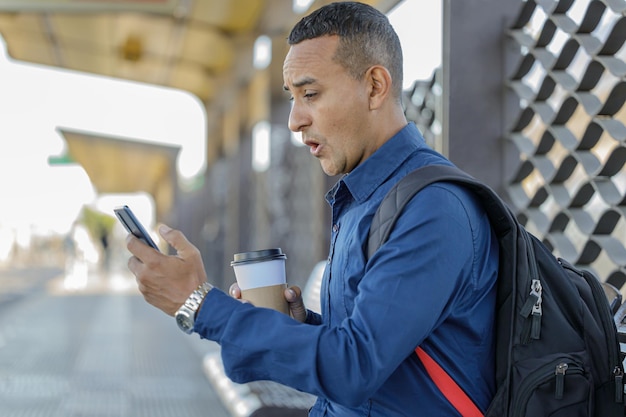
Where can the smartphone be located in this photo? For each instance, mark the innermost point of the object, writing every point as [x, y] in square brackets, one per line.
[130, 222]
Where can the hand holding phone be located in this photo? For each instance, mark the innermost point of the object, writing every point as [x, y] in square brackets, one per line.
[134, 227]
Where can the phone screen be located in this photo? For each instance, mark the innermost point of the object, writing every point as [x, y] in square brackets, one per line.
[133, 226]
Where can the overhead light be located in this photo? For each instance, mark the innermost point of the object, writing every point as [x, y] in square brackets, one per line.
[261, 146]
[301, 6]
[262, 52]
[132, 50]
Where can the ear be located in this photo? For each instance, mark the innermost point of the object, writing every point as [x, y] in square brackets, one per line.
[379, 80]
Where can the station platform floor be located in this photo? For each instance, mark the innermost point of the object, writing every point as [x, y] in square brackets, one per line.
[88, 345]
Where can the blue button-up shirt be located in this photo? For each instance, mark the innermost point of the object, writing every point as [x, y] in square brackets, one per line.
[431, 284]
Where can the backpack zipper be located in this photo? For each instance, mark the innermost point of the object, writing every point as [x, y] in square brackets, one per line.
[531, 310]
[560, 371]
[556, 369]
[608, 325]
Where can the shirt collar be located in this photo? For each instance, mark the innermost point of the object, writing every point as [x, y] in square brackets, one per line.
[372, 172]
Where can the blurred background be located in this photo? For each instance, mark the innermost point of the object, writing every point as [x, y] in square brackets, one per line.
[176, 108]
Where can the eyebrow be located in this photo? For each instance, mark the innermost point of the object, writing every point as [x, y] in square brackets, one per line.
[301, 83]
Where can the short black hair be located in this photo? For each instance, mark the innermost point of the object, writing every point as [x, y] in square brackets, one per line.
[366, 38]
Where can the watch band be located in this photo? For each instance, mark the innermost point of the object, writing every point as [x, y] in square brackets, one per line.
[186, 314]
[197, 296]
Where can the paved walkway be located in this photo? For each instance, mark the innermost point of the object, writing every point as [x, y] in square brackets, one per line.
[72, 346]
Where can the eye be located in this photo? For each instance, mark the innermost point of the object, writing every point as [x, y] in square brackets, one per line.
[288, 93]
[309, 94]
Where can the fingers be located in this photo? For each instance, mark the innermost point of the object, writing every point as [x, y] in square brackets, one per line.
[166, 281]
[235, 291]
[178, 241]
[134, 264]
[293, 295]
[138, 248]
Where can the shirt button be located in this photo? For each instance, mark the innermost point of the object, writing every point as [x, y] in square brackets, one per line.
[335, 228]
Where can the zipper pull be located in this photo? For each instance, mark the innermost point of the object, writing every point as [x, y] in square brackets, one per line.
[618, 374]
[532, 308]
[534, 299]
[527, 308]
[535, 330]
[560, 380]
[537, 311]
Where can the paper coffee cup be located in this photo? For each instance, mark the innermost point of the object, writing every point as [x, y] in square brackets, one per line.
[261, 277]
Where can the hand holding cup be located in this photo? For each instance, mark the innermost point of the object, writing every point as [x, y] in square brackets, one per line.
[293, 295]
[261, 278]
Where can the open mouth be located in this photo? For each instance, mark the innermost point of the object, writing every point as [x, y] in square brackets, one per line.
[314, 147]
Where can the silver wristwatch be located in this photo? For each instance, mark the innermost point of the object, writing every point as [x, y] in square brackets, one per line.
[186, 314]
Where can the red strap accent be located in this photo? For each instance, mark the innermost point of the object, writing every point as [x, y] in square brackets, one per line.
[453, 393]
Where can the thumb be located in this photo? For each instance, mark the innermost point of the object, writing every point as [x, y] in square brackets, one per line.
[177, 240]
[293, 295]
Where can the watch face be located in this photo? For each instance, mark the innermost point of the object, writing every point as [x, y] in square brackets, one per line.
[184, 321]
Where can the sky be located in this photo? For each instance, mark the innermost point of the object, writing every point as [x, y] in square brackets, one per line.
[418, 25]
[36, 100]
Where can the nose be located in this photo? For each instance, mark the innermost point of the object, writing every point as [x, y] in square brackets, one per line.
[298, 117]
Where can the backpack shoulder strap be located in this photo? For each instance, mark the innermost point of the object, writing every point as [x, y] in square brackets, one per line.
[502, 219]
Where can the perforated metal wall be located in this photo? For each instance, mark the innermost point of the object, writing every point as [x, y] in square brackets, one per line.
[569, 186]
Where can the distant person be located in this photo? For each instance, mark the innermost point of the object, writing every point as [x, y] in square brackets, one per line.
[432, 284]
[103, 239]
[69, 249]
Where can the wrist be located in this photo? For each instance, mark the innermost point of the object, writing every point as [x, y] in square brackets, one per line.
[210, 287]
[186, 314]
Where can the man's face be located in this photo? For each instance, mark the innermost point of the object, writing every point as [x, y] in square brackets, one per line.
[329, 107]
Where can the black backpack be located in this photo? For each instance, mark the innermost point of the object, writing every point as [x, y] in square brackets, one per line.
[558, 352]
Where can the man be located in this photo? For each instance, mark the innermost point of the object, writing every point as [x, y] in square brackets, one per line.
[431, 284]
